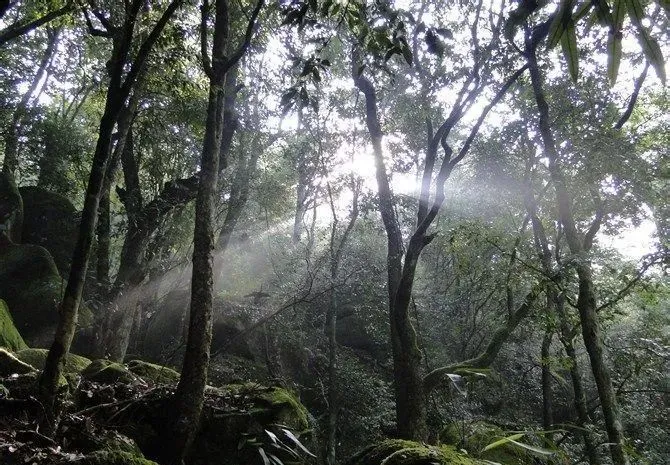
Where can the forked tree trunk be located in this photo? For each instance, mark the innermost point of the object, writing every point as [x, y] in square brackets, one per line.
[410, 401]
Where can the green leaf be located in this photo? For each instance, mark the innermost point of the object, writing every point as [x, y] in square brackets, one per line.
[582, 11]
[570, 50]
[266, 460]
[652, 50]
[503, 441]
[537, 450]
[559, 23]
[613, 56]
[297, 442]
[636, 10]
[614, 40]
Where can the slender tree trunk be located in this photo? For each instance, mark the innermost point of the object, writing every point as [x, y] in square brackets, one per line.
[408, 380]
[336, 249]
[579, 247]
[190, 394]
[580, 405]
[547, 396]
[117, 93]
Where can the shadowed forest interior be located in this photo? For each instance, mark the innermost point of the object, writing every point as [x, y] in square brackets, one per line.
[324, 232]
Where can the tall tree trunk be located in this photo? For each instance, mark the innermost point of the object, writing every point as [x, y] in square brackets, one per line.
[117, 93]
[579, 247]
[190, 393]
[408, 381]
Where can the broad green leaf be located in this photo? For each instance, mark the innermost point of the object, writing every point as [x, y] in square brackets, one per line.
[266, 460]
[503, 441]
[603, 12]
[537, 450]
[614, 40]
[652, 50]
[297, 442]
[582, 10]
[619, 14]
[613, 56]
[559, 23]
[636, 10]
[570, 50]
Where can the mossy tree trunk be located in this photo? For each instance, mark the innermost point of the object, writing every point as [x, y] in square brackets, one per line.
[189, 396]
[579, 245]
[556, 308]
[120, 85]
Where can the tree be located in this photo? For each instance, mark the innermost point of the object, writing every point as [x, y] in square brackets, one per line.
[190, 392]
[122, 79]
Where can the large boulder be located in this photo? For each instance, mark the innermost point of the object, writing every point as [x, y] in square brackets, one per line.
[37, 358]
[234, 422]
[164, 328]
[10, 338]
[50, 220]
[31, 286]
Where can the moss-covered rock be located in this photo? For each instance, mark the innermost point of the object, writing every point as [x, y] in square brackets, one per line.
[106, 372]
[9, 335]
[401, 452]
[476, 435]
[49, 220]
[31, 286]
[105, 457]
[230, 414]
[153, 373]
[74, 364]
[10, 365]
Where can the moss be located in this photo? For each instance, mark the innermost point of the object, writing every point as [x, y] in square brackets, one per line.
[9, 335]
[151, 372]
[475, 436]
[105, 457]
[275, 404]
[49, 220]
[290, 412]
[106, 372]
[74, 364]
[401, 452]
[10, 365]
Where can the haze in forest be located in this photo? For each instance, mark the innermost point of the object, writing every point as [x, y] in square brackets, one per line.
[334, 232]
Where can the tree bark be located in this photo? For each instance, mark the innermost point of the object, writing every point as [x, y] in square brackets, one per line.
[579, 247]
[408, 383]
[117, 93]
[190, 393]
[547, 396]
